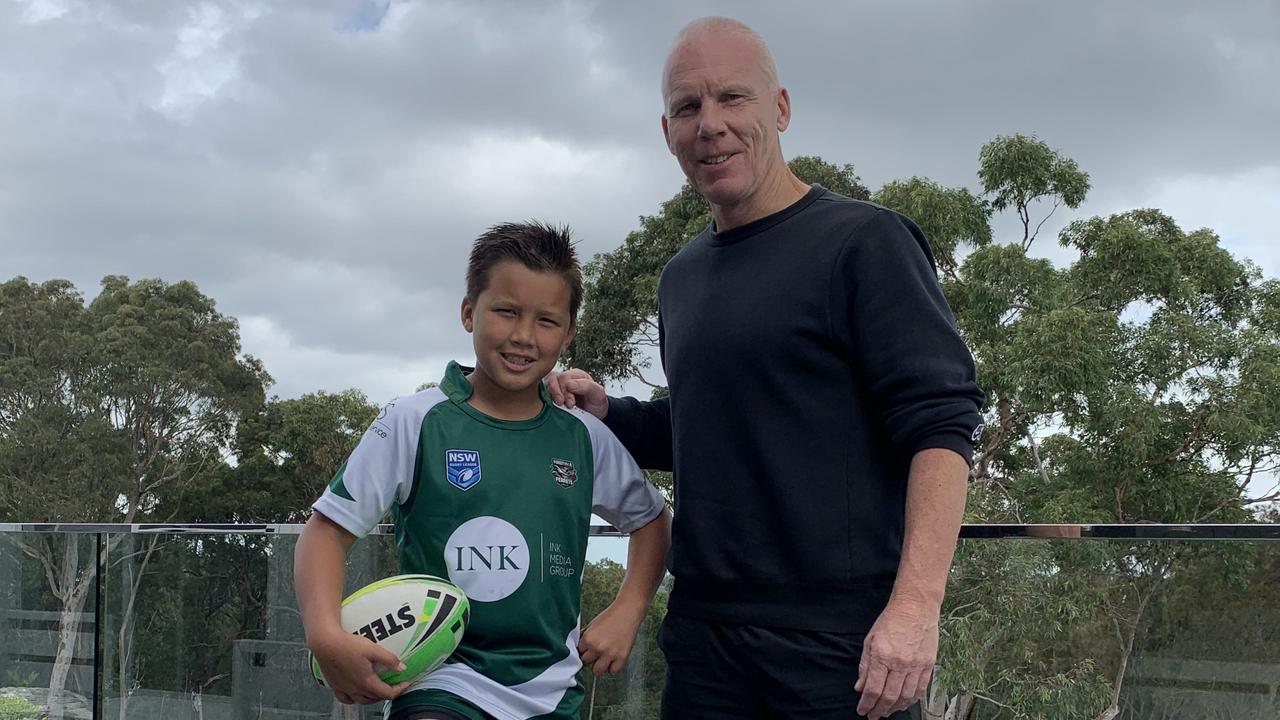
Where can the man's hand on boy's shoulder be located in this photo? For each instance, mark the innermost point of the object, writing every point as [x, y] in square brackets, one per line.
[349, 664]
[576, 388]
[606, 643]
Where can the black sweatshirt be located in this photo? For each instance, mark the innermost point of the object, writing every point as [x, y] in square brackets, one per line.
[809, 355]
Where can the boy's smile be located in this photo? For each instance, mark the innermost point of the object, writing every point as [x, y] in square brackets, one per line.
[520, 323]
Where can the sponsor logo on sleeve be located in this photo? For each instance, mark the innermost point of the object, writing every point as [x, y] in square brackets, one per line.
[380, 426]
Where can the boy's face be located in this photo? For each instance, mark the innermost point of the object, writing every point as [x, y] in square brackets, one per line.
[520, 325]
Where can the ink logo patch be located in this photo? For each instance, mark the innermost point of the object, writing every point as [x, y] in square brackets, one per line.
[462, 468]
[487, 557]
[564, 472]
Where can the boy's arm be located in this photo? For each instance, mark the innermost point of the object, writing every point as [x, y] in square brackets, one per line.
[625, 498]
[346, 660]
[319, 566]
[607, 641]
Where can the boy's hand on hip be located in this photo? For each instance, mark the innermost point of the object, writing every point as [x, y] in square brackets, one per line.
[350, 664]
[897, 660]
[606, 643]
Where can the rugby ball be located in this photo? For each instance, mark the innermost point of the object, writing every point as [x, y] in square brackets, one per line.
[419, 618]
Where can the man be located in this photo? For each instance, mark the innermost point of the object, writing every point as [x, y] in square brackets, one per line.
[820, 422]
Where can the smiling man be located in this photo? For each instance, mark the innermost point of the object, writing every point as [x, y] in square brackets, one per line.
[821, 416]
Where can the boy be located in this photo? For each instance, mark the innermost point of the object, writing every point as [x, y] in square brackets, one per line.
[492, 486]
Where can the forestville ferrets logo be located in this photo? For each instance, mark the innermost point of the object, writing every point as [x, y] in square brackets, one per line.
[563, 472]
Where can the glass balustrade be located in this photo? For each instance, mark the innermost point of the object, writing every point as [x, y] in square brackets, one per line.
[1064, 621]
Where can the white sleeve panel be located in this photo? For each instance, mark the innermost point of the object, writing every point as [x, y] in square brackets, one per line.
[621, 493]
[380, 471]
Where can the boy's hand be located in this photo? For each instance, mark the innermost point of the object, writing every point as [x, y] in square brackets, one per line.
[606, 643]
[576, 388]
[349, 664]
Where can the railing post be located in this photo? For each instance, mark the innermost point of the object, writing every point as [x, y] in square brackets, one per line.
[97, 627]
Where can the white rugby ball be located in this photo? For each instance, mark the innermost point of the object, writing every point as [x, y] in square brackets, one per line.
[419, 618]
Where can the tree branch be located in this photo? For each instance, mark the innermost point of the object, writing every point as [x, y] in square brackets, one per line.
[993, 701]
[1035, 454]
[1042, 222]
[641, 378]
[1025, 216]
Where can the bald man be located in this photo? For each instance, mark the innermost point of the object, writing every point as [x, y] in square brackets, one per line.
[820, 423]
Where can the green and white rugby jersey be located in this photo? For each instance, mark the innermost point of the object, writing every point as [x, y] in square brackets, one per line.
[501, 508]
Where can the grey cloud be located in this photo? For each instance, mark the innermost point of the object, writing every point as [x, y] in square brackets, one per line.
[329, 180]
[1133, 91]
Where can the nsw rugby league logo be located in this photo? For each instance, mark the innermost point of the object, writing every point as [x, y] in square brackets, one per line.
[462, 468]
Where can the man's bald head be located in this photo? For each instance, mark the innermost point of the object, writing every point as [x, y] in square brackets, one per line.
[708, 27]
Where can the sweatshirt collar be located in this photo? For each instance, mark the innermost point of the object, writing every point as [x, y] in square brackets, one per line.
[755, 227]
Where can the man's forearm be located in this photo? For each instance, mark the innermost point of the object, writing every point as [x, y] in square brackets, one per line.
[936, 490]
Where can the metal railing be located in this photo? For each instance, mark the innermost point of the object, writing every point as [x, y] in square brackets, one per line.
[198, 620]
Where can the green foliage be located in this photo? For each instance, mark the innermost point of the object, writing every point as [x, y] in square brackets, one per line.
[1019, 170]
[105, 408]
[12, 708]
[16, 679]
[109, 411]
[286, 453]
[211, 590]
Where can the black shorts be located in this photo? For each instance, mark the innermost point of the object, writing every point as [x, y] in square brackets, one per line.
[718, 671]
[438, 705]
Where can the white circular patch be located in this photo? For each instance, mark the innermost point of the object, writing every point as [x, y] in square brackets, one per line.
[487, 557]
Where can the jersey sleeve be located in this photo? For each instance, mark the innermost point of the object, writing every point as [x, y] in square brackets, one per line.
[379, 473]
[621, 494]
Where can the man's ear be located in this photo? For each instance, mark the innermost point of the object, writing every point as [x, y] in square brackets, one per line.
[784, 109]
[468, 314]
[666, 134]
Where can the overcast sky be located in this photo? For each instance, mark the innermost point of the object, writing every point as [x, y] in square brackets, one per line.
[321, 168]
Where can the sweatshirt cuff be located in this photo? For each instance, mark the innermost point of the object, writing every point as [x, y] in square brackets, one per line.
[953, 441]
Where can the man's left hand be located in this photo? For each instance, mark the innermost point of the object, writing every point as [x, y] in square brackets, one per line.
[897, 660]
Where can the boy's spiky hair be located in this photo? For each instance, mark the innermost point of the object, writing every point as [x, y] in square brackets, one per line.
[538, 246]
